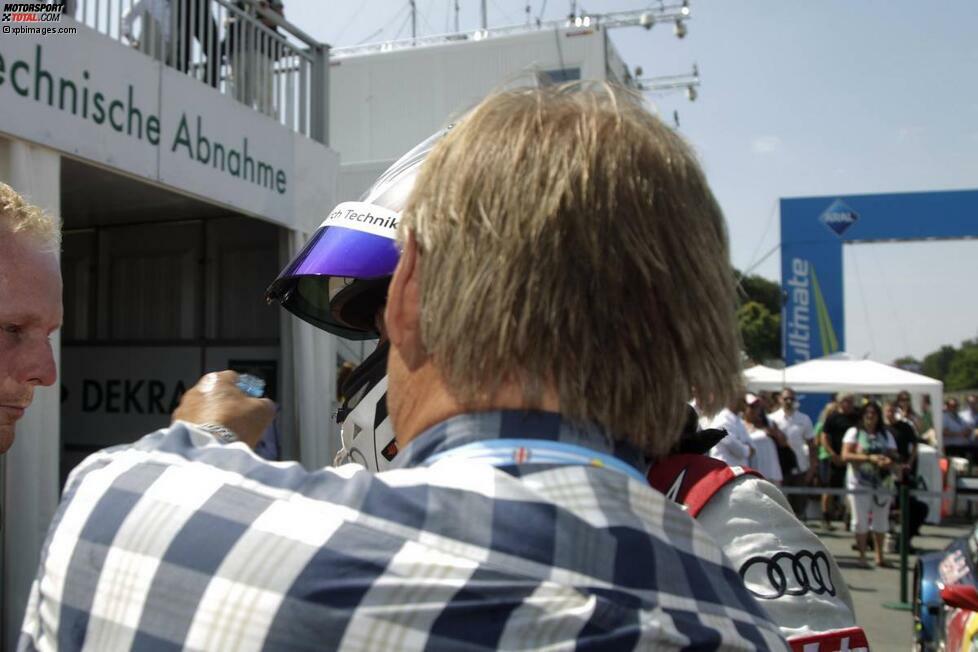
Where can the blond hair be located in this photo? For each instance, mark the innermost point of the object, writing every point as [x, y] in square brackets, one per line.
[569, 240]
[828, 409]
[18, 216]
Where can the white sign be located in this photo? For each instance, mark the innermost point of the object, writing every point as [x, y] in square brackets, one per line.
[73, 93]
[217, 147]
[90, 96]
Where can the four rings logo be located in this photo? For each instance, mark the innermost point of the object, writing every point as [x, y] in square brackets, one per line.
[788, 573]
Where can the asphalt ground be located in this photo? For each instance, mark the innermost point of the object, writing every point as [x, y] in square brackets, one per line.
[887, 629]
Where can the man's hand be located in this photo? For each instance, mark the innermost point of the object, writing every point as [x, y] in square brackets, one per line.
[217, 399]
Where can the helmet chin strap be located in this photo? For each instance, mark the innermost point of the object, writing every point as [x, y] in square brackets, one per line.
[367, 374]
[367, 435]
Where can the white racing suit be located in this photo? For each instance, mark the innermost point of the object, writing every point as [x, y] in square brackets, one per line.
[366, 434]
[781, 561]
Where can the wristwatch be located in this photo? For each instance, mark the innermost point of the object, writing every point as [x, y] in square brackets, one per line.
[222, 433]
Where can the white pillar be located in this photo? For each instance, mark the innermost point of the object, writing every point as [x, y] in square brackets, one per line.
[30, 479]
[314, 385]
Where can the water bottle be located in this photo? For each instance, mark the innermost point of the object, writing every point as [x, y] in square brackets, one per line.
[253, 386]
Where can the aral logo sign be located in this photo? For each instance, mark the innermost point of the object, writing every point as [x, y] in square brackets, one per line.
[838, 217]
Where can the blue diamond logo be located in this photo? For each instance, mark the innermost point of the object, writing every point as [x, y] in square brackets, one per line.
[838, 217]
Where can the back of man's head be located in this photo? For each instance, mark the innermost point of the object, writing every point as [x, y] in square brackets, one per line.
[568, 240]
[36, 228]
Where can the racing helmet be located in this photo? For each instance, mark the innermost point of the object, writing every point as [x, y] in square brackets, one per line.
[338, 282]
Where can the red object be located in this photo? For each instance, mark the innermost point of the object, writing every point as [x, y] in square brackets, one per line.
[957, 623]
[960, 596]
[852, 639]
[963, 599]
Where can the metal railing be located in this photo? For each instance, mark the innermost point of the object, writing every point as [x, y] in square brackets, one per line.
[239, 47]
[676, 13]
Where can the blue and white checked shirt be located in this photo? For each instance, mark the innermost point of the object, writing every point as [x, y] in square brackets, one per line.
[179, 542]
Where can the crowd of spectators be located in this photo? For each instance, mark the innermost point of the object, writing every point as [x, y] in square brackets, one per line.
[860, 447]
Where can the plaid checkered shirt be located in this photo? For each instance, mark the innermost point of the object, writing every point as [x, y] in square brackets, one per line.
[180, 542]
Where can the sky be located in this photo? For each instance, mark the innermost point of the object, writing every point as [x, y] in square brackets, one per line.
[798, 98]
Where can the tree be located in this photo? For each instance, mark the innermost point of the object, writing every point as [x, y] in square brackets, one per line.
[760, 331]
[963, 371]
[909, 363]
[757, 288]
[937, 364]
[759, 316]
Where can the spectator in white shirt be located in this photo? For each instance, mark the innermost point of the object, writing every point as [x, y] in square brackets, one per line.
[735, 449]
[870, 451]
[765, 439]
[800, 433]
[969, 415]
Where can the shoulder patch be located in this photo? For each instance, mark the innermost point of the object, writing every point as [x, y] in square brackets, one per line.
[692, 480]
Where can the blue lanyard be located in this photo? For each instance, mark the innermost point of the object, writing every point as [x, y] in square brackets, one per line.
[505, 452]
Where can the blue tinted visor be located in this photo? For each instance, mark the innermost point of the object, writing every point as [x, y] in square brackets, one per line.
[339, 278]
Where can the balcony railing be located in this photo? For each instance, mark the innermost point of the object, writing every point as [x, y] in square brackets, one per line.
[243, 48]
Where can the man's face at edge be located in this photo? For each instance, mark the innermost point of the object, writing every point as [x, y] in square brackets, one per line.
[30, 310]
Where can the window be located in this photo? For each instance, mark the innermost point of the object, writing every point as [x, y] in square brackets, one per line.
[558, 76]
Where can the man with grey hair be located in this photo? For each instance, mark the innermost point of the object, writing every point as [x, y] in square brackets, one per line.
[545, 325]
[30, 305]
[969, 414]
[958, 434]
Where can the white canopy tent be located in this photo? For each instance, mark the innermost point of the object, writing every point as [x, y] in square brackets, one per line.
[839, 372]
[760, 377]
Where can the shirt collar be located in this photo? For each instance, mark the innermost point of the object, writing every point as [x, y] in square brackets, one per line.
[512, 424]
